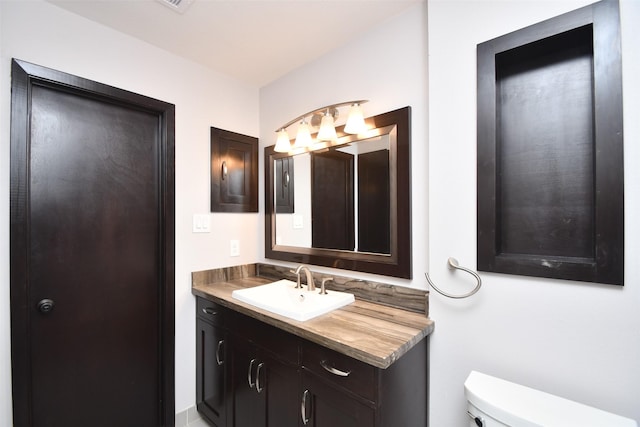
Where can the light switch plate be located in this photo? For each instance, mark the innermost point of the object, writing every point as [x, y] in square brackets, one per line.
[201, 223]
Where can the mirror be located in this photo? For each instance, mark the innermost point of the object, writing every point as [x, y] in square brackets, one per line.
[345, 205]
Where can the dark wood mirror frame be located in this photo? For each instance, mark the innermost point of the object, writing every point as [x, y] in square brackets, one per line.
[396, 264]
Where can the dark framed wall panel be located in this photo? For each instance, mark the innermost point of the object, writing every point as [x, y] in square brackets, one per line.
[234, 172]
[550, 149]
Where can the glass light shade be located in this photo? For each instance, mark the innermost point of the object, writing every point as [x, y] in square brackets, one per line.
[355, 121]
[283, 145]
[327, 130]
[303, 137]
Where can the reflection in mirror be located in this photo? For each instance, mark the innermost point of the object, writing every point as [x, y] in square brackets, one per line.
[346, 205]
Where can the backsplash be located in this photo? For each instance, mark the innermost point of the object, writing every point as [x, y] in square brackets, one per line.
[414, 300]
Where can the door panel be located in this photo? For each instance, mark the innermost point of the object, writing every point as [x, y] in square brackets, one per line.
[332, 200]
[100, 246]
[374, 214]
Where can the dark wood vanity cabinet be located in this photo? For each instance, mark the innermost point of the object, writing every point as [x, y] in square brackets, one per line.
[271, 378]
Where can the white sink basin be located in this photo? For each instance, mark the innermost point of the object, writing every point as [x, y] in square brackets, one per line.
[283, 298]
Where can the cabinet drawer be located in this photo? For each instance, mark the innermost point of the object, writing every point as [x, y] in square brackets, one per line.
[344, 371]
[210, 311]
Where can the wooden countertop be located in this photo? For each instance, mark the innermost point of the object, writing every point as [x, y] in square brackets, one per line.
[372, 333]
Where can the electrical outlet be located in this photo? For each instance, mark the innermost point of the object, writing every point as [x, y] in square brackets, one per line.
[234, 248]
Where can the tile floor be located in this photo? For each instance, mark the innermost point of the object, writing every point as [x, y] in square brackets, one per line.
[190, 418]
[198, 423]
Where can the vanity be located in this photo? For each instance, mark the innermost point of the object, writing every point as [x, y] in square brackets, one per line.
[365, 364]
[346, 205]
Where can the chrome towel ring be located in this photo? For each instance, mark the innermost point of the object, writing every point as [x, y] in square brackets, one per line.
[453, 265]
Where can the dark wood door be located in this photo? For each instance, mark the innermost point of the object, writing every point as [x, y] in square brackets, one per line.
[92, 277]
[332, 200]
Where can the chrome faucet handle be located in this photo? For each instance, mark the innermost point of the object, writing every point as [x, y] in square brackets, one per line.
[323, 290]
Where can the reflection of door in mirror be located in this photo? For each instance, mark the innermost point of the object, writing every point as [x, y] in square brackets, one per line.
[373, 202]
[332, 200]
[284, 185]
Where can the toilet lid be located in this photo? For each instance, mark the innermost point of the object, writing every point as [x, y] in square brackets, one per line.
[517, 405]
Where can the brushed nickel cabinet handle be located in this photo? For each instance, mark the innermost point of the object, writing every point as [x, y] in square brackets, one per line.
[219, 361]
[259, 388]
[250, 373]
[209, 310]
[303, 408]
[333, 370]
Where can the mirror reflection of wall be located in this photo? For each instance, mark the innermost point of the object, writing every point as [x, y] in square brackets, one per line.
[341, 197]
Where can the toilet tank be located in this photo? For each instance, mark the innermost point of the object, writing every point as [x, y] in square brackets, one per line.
[493, 402]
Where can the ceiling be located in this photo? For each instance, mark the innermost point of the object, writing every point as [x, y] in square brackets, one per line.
[256, 41]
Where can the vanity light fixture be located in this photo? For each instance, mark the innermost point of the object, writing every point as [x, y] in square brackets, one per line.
[325, 118]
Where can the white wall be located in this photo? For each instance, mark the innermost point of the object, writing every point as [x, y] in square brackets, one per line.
[41, 33]
[577, 340]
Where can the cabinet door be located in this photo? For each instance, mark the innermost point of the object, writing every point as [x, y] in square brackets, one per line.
[249, 404]
[211, 378]
[234, 172]
[282, 387]
[325, 406]
[265, 389]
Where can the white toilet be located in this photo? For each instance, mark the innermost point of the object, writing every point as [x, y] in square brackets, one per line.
[495, 402]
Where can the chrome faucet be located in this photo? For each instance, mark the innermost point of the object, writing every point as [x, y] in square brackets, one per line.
[311, 286]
